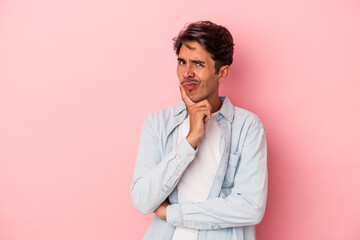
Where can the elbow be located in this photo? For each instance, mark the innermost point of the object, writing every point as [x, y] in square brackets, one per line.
[140, 202]
[141, 206]
[258, 214]
[251, 213]
[258, 219]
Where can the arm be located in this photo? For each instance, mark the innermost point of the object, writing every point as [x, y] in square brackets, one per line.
[156, 177]
[154, 180]
[246, 203]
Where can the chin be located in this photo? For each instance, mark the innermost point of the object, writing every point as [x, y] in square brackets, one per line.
[195, 99]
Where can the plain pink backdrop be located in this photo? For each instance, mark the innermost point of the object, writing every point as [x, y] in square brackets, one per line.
[78, 78]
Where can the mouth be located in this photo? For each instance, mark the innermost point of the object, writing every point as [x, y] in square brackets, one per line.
[190, 85]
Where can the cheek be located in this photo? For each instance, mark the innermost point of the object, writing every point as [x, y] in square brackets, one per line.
[203, 76]
[205, 73]
[199, 74]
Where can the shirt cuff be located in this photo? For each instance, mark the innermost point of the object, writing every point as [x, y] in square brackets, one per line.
[173, 215]
[186, 151]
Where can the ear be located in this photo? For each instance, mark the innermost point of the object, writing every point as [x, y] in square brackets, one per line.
[223, 72]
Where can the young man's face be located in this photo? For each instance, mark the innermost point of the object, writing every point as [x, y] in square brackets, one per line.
[196, 72]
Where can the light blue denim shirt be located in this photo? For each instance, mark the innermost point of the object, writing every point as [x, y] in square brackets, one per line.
[237, 198]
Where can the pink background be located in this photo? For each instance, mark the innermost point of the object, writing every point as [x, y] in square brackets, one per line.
[78, 78]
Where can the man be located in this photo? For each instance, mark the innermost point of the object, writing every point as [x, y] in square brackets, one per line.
[201, 164]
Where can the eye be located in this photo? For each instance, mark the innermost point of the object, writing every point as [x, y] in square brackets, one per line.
[181, 62]
[199, 64]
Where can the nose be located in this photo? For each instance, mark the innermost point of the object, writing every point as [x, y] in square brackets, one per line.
[189, 72]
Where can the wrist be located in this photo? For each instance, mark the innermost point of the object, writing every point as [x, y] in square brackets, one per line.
[193, 141]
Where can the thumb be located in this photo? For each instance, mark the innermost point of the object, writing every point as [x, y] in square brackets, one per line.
[188, 102]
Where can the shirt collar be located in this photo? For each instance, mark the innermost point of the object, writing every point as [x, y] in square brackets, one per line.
[227, 109]
[179, 108]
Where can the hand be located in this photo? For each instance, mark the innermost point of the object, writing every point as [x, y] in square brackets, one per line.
[161, 210]
[199, 114]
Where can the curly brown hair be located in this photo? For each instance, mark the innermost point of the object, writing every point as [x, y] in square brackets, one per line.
[216, 39]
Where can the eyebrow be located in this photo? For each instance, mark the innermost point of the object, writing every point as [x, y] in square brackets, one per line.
[193, 61]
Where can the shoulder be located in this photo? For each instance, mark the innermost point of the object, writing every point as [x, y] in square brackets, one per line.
[163, 118]
[167, 113]
[240, 116]
[161, 122]
[243, 115]
[247, 121]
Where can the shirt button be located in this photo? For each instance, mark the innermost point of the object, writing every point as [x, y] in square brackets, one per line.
[177, 174]
[191, 157]
[173, 122]
[197, 226]
[176, 223]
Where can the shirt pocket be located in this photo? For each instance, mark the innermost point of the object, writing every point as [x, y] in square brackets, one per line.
[233, 163]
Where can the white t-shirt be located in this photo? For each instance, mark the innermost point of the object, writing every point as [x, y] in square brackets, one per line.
[196, 182]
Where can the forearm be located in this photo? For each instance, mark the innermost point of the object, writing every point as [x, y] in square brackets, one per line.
[233, 211]
[153, 184]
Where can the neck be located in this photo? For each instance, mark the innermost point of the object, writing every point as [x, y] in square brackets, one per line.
[216, 104]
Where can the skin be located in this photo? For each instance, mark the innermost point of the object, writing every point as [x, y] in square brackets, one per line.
[195, 66]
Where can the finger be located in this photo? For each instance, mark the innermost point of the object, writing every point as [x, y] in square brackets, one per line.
[196, 108]
[201, 108]
[205, 113]
[207, 116]
[204, 103]
[185, 97]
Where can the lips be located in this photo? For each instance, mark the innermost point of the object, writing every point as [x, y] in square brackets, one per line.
[189, 85]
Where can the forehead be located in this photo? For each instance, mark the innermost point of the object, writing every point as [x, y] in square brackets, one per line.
[195, 52]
